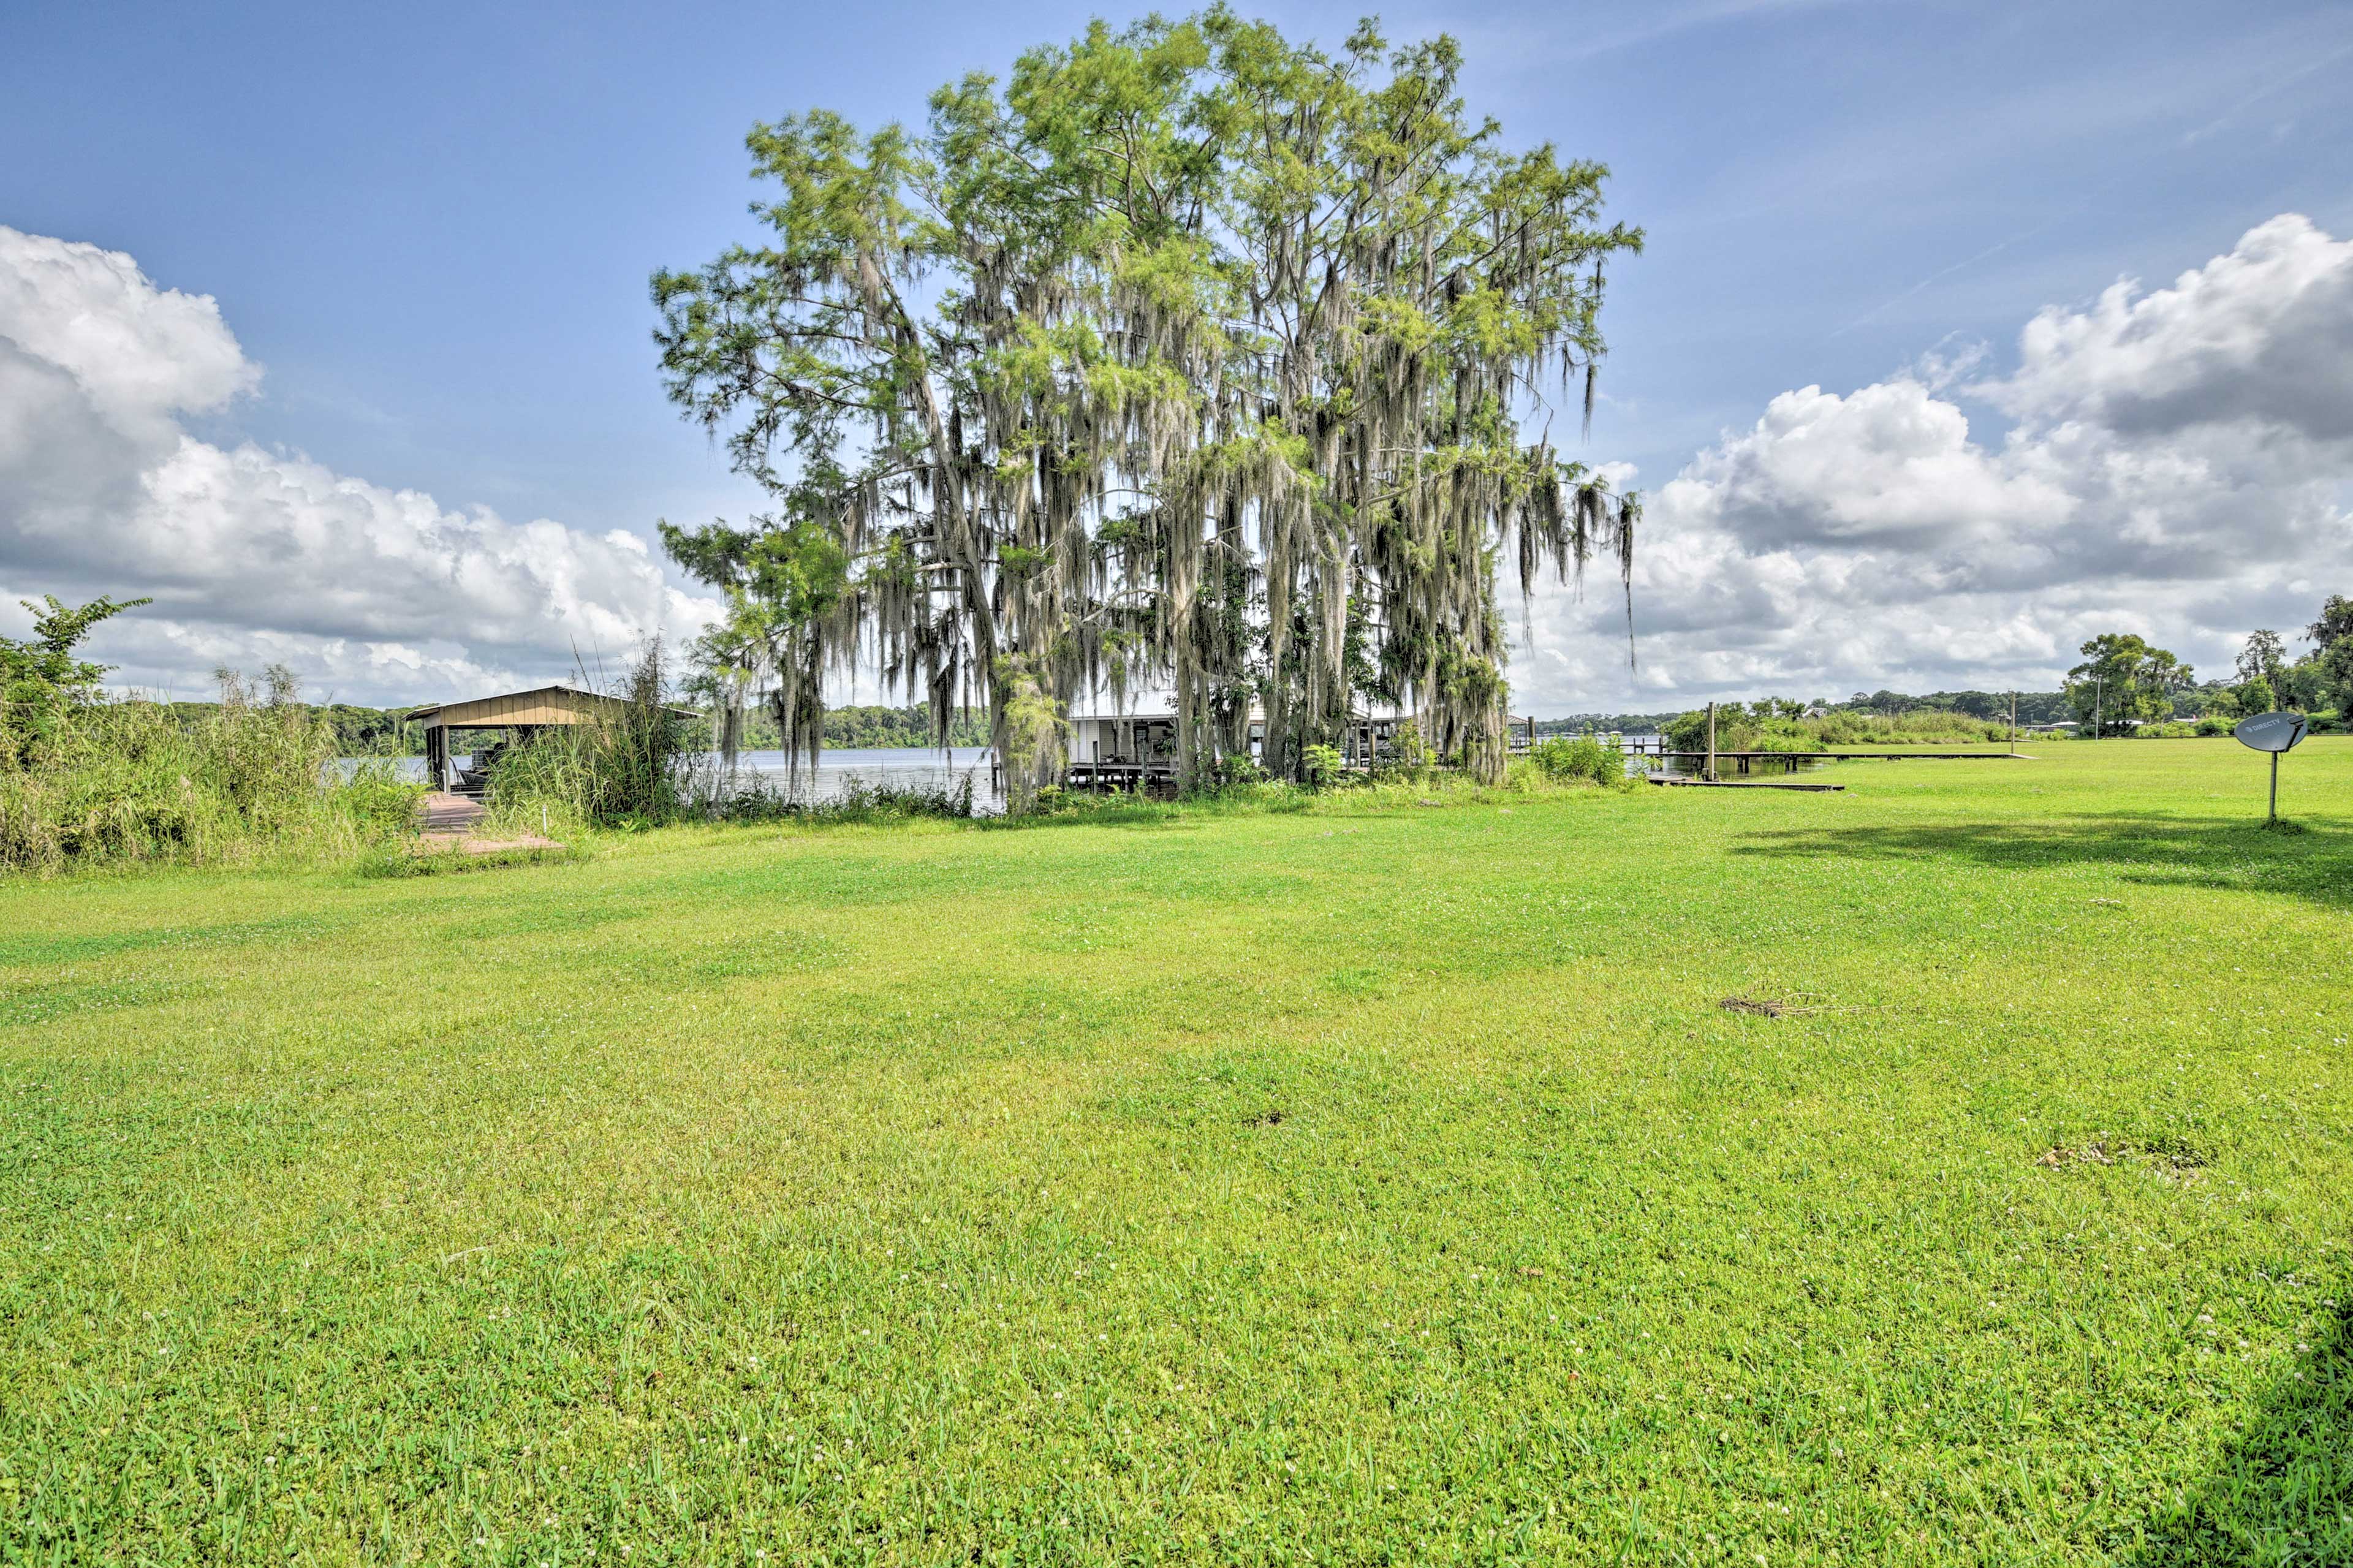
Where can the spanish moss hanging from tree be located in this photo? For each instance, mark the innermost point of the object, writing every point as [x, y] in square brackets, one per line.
[1187, 359]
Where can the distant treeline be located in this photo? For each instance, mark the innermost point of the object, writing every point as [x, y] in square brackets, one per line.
[1624, 723]
[857, 729]
[357, 731]
[2034, 707]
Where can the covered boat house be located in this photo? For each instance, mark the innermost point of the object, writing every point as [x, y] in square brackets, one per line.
[519, 714]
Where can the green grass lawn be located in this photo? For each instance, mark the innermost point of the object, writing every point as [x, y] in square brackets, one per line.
[1353, 1186]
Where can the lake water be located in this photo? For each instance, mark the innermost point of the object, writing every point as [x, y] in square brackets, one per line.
[907, 767]
[913, 767]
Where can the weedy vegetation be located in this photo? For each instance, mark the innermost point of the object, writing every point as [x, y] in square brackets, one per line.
[87, 782]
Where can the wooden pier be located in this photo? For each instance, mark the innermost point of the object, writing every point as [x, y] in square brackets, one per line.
[1790, 761]
[1138, 777]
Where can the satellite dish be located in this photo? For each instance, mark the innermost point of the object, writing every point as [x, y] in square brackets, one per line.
[2271, 731]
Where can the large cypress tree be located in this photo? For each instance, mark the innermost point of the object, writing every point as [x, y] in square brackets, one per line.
[1186, 357]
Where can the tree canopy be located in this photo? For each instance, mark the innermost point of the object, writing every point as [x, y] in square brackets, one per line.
[2262, 657]
[2123, 682]
[2335, 624]
[1188, 356]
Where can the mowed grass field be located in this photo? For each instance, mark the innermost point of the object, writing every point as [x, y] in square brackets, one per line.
[1348, 1186]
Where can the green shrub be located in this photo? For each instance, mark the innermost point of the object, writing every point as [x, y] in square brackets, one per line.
[1585, 759]
[1405, 757]
[1237, 771]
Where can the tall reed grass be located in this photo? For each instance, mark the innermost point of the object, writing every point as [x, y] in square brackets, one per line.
[627, 767]
[253, 781]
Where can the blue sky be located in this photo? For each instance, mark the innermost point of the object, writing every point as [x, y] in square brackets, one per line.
[429, 228]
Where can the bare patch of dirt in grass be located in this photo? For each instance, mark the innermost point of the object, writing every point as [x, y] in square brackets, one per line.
[1795, 1006]
[2170, 1158]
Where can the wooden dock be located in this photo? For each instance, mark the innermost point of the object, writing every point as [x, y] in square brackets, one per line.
[1791, 762]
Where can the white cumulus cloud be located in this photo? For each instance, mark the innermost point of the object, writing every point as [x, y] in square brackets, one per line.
[2172, 462]
[254, 555]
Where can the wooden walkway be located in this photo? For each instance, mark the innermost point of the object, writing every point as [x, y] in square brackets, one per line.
[449, 821]
[1791, 762]
[449, 813]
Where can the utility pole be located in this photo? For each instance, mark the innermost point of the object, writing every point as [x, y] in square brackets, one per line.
[2098, 692]
[2013, 723]
[1710, 742]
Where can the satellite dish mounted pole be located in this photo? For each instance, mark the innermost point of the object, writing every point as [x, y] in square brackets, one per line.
[2273, 733]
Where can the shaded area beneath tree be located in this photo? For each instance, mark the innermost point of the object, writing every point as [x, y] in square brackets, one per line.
[2283, 1492]
[2153, 848]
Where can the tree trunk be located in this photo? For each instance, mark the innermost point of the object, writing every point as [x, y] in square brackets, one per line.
[1491, 746]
